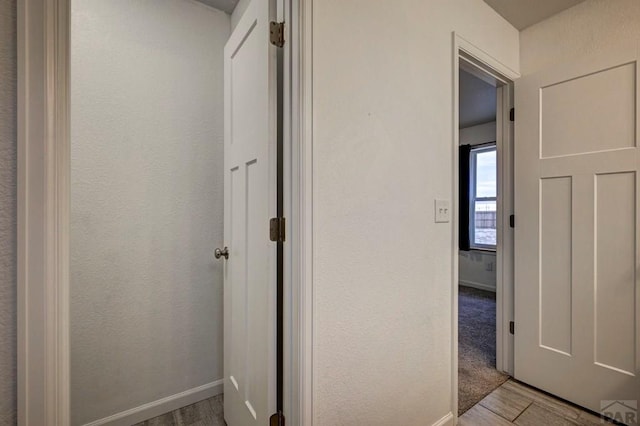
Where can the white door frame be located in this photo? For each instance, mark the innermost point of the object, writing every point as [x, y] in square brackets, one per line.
[43, 212]
[475, 60]
[298, 206]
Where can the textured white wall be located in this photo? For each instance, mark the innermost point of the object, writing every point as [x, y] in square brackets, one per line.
[588, 28]
[147, 194]
[382, 275]
[8, 212]
[478, 268]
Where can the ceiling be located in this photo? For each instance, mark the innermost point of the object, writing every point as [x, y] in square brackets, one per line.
[477, 101]
[524, 13]
[520, 13]
[224, 5]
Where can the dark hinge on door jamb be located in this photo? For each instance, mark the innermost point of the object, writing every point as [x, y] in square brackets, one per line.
[512, 327]
[276, 33]
[277, 419]
[276, 229]
[512, 221]
[512, 114]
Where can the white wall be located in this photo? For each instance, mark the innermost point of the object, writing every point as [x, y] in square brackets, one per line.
[477, 268]
[238, 12]
[475, 135]
[8, 152]
[588, 28]
[147, 193]
[382, 152]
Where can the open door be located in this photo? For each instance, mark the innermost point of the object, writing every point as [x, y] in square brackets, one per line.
[250, 190]
[577, 163]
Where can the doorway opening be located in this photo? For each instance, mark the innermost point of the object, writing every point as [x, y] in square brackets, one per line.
[174, 178]
[146, 277]
[485, 242]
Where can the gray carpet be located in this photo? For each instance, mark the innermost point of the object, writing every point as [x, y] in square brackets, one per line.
[477, 374]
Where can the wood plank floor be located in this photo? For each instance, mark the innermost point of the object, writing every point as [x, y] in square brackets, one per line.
[204, 413]
[516, 404]
[511, 404]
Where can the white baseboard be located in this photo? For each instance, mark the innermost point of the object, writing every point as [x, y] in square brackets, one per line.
[161, 406]
[480, 286]
[447, 420]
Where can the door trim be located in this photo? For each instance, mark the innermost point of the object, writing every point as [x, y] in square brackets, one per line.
[43, 212]
[298, 176]
[476, 60]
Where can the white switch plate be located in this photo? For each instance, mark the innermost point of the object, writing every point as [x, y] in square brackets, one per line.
[443, 211]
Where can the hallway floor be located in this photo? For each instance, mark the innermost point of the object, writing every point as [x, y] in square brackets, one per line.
[516, 404]
[204, 413]
[512, 403]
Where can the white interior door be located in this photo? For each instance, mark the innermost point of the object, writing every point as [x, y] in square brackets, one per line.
[576, 239]
[250, 200]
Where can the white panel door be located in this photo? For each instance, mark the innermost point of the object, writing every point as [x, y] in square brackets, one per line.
[577, 297]
[250, 200]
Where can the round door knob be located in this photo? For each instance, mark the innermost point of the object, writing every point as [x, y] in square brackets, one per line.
[218, 253]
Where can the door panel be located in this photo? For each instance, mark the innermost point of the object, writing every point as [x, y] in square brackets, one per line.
[250, 190]
[615, 271]
[577, 296]
[571, 112]
[555, 263]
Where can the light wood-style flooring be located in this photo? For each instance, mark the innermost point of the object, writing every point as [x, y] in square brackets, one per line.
[204, 413]
[511, 404]
[516, 404]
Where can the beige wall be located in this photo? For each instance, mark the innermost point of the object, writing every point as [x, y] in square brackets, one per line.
[8, 191]
[146, 201]
[382, 152]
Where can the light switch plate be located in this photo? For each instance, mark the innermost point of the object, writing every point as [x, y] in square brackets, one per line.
[443, 211]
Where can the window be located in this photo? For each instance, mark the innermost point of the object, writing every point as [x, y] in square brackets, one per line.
[482, 202]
